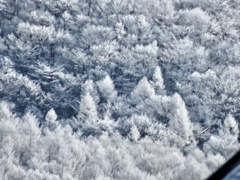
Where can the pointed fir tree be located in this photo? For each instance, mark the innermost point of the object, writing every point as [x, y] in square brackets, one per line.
[158, 81]
[107, 89]
[51, 119]
[51, 116]
[134, 133]
[30, 130]
[88, 110]
[142, 91]
[179, 120]
[90, 87]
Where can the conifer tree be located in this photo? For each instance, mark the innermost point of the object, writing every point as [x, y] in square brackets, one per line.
[230, 127]
[107, 89]
[51, 119]
[51, 116]
[158, 81]
[87, 110]
[142, 91]
[178, 118]
[90, 87]
[226, 141]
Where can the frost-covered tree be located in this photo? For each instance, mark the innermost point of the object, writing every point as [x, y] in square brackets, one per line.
[226, 142]
[134, 133]
[90, 87]
[158, 81]
[107, 89]
[51, 119]
[142, 91]
[178, 118]
[51, 116]
[87, 109]
[230, 126]
[30, 134]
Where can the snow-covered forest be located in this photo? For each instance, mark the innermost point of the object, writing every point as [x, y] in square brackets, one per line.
[118, 89]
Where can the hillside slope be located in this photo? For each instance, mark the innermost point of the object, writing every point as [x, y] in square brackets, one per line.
[121, 89]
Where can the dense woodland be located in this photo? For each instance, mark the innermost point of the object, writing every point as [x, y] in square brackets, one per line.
[118, 89]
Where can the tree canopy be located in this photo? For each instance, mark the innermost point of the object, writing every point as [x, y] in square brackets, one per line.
[118, 89]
